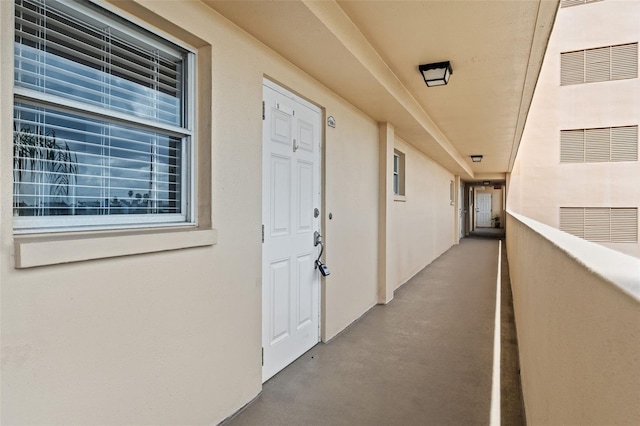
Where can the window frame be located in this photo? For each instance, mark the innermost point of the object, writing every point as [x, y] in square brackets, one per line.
[139, 31]
[399, 174]
[396, 174]
[451, 193]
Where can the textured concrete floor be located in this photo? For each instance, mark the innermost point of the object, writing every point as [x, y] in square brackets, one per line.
[423, 359]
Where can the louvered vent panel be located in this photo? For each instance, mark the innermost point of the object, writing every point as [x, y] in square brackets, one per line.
[597, 64]
[569, 3]
[572, 68]
[597, 224]
[572, 220]
[624, 61]
[592, 1]
[624, 225]
[572, 146]
[597, 142]
[624, 143]
[601, 224]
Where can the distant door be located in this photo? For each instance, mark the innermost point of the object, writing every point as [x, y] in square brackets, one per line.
[483, 210]
[471, 217]
[291, 192]
[461, 210]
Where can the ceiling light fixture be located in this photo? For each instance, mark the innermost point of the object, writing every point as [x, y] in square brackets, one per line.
[476, 158]
[436, 74]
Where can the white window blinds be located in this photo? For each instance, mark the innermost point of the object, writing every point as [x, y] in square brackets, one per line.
[79, 58]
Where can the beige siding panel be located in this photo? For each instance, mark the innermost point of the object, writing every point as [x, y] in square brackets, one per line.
[572, 146]
[624, 225]
[597, 145]
[624, 61]
[624, 143]
[597, 64]
[597, 224]
[572, 68]
[572, 220]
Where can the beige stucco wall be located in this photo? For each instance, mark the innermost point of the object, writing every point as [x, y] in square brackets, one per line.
[578, 328]
[422, 221]
[174, 337]
[351, 196]
[540, 185]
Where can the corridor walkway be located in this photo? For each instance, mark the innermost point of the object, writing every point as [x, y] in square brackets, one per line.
[426, 358]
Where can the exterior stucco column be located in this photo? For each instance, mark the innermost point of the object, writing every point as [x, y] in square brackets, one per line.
[385, 198]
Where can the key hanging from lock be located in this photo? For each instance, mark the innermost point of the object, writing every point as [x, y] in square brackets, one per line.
[324, 269]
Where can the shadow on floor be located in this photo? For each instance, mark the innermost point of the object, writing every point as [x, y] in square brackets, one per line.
[492, 233]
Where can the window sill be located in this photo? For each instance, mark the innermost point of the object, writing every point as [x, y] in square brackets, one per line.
[32, 251]
[400, 198]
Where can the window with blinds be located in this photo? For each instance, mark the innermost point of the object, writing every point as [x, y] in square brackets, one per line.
[601, 224]
[398, 172]
[600, 64]
[102, 131]
[609, 144]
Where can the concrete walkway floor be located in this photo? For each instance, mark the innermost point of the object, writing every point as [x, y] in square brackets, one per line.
[426, 358]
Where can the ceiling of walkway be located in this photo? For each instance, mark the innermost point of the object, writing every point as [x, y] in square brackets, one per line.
[369, 52]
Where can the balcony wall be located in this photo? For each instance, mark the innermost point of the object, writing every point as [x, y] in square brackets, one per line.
[577, 310]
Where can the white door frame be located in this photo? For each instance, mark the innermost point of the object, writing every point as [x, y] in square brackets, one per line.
[461, 224]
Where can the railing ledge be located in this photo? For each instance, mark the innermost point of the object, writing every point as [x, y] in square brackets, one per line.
[619, 269]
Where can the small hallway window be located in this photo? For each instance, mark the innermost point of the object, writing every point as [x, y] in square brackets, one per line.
[451, 193]
[398, 173]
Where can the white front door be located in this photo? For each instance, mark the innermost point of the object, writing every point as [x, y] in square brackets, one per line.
[483, 210]
[291, 193]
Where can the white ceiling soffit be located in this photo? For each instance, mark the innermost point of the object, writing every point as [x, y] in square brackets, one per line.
[369, 51]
